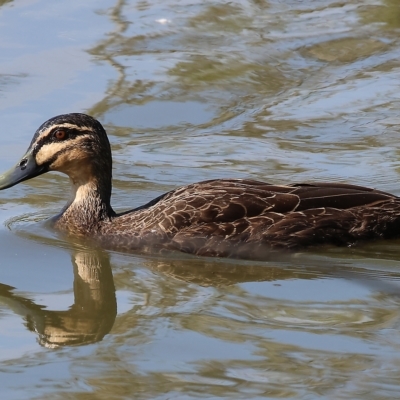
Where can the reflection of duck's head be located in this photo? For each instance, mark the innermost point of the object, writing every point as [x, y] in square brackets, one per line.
[91, 316]
[94, 310]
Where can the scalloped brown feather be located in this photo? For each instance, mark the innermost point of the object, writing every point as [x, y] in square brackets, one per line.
[227, 218]
[245, 218]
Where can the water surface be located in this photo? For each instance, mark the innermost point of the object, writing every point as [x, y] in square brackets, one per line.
[277, 91]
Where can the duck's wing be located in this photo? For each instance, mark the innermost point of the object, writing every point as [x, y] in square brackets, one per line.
[236, 200]
[206, 218]
[253, 214]
[231, 199]
[336, 195]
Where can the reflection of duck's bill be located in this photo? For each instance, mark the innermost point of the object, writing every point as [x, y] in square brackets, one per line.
[24, 170]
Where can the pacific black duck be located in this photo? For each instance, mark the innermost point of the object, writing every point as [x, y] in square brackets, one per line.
[222, 217]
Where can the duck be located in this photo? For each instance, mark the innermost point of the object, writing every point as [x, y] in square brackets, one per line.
[239, 218]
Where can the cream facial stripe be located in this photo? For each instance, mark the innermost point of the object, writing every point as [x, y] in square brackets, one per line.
[47, 131]
[50, 151]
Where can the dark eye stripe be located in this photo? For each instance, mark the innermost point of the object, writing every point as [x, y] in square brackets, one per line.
[69, 134]
[49, 138]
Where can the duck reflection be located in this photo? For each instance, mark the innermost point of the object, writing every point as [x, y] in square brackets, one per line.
[91, 316]
[301, 266]
[94, 311]
[207, 272]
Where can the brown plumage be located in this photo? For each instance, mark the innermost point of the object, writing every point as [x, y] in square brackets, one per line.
[224, 217]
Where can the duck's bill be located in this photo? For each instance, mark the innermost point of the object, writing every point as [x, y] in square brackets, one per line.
[25, 169]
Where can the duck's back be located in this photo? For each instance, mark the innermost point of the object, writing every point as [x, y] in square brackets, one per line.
[221, 217]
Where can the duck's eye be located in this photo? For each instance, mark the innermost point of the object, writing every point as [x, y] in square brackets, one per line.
[60, 134]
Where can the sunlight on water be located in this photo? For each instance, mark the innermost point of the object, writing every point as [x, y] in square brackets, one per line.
[277, 91]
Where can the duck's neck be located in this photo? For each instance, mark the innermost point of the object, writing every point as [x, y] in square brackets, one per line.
[89, 205]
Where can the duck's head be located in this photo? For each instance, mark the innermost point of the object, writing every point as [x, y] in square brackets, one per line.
[75, 144]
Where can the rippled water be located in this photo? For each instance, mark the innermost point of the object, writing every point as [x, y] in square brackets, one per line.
[278, 91]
